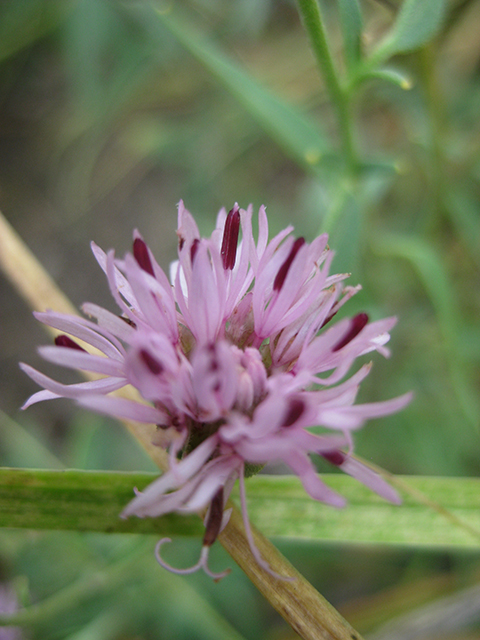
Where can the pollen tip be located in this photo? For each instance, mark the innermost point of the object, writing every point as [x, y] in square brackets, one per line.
[335, 457]
[283, 271]
[230, 238]
[153, 365]
[356, 325]
[141, 255]
[64, 341]
[294, 412]
[193, 249]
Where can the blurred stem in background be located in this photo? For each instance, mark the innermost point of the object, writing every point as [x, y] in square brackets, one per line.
[314, 25]
[437, 122]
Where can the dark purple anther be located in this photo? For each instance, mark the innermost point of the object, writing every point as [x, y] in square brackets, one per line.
[193, 249]
[214, 521]
[154, 366]
[335, 457]
[357, 324]
[140, 253]
[294, 411]
[65, 341]
[328, 318]
[282, 272]
[230, 238]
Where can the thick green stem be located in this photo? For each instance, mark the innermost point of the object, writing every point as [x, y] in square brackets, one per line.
[314, 26]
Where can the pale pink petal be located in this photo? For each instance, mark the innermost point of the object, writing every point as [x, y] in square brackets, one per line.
[87, 331]
[109, 321]
[124, 409]
[149, 502]
[103, 386]
[370, 479]
[74, 359]
[117, 279]
[355, 416]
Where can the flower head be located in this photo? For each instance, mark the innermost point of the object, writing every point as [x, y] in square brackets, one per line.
[237, 360]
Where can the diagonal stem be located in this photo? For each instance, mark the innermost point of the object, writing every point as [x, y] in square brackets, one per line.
[298, 602]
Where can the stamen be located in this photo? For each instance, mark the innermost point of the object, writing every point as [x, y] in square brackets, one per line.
[357, 324]
[335, 457]
[283, 271]
[193, 249]
[65, 341]
[295, 410]
[230, 238]
[201, 564]
[155, 367]
[140, 253]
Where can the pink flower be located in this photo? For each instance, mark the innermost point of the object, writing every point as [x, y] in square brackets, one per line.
[234, 360]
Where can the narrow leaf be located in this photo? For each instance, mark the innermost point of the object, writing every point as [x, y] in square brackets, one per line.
[394, 76]
[81, 501]
[417, 22]
[435, 278]
[287, 125]
[352, 23]
[91, 501]
[280, 506]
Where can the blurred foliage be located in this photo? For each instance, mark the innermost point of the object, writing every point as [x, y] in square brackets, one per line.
[109, 114]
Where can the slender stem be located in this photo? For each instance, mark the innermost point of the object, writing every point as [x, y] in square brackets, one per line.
[313, 23]
[309, 614]
[435, 107]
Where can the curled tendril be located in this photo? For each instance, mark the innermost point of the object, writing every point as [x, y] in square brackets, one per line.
[201, 564]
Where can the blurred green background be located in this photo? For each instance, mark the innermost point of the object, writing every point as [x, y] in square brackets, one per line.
[106, 121]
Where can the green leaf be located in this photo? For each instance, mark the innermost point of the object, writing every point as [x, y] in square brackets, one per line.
[394, 76]
[81, 501]
[417, 22]
[287, 125]
[352, 24]
[279, 506]
[435, 278]
[24, 22]
[92, 501]
[432, 272]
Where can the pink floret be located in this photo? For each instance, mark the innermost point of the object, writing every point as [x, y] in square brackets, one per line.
[236, 358]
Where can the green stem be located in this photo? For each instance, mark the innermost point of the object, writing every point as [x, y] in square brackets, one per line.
[314, 26]
[435, 107]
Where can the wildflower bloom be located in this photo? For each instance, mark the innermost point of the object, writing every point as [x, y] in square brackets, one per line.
[236, 359]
